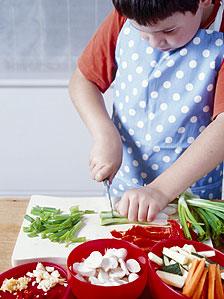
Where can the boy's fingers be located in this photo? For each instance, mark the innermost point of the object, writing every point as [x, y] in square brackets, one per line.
[92, 163]
[143, 211]
[122, 206]
[95, 170]
[133, 210]
[152, 212]
[103, 173]
[92, 166]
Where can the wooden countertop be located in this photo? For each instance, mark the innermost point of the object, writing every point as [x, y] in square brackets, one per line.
[12, 211]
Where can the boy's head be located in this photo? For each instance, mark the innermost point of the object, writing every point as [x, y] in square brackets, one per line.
[166, 24]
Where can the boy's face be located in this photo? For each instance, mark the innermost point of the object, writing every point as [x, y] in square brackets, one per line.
[172, 32]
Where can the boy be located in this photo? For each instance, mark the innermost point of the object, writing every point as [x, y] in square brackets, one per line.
[168, 82]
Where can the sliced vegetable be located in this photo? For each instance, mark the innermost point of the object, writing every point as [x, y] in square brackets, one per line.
[190, 274]
[133, 266]
[211, 281]
[218, 284]
[106, 218]
[171, 279]
[208, 253]
[52, 224]
[201, 277]
[190, 288]
[175, 269]
[155, 258]
[166, 260]
[179, 258]
[146, 237]
[201, 284]
[110, 269]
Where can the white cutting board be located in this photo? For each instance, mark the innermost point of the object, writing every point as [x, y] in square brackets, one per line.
[36, 249]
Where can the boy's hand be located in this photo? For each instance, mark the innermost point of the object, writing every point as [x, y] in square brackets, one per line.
[142, 204]
[105, 157]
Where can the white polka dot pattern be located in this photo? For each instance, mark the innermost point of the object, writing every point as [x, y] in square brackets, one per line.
[162, 102]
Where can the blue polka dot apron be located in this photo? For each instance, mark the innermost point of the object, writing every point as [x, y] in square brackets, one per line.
[162, 102]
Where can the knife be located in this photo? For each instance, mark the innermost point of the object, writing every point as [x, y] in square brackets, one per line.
[107, 188]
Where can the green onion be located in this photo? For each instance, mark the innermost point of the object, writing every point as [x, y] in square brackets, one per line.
[206, 217]
[106, 218]
[50, 223]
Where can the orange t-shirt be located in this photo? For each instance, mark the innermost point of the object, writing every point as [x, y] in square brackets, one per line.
[97, 62]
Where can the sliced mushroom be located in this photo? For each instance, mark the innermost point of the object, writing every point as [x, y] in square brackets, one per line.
[108, 270]
[94, 280]
[117, 273]
[83, 270]
[133, 266]
[94, 260]
[120, 281]
[76, 267]
[122, 253]
[132, 277]
[103, 276]
[109, 263]
[123, 266]
[111, 283]
[110, 252]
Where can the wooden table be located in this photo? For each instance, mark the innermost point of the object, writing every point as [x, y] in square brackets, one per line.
[12, 211]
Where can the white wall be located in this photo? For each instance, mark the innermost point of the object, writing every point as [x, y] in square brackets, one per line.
[44, 147]
[46, 36]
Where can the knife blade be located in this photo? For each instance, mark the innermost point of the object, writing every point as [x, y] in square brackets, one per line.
[107, 188]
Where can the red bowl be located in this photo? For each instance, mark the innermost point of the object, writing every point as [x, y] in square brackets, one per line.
[83, 290]
[159, 289]
[58, 292]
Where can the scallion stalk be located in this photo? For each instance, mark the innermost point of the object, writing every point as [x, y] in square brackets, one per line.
[52, 224]
[210, 214]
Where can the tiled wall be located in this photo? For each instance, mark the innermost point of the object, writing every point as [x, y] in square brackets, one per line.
[45, 37]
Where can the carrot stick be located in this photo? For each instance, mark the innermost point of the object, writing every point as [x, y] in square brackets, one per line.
[194, 265]
[211, 281]
[204, 294]
[193, 283]
[219, 294]
[201, 285]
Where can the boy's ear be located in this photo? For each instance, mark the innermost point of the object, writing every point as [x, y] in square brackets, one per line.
[205, 3]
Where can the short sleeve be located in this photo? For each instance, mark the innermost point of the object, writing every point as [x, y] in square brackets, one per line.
[219, 93]
[97, 62]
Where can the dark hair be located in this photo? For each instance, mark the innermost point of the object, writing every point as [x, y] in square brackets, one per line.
[147, 12]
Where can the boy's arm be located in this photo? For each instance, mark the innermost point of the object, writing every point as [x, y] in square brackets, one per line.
[106, 155]
[203, 155]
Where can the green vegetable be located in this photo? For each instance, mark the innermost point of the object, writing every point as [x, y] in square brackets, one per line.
[52, 224]
[198, 255]
[206, 217]
[106, 218]
[175, 269]
[187, 217]
[206, 258]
